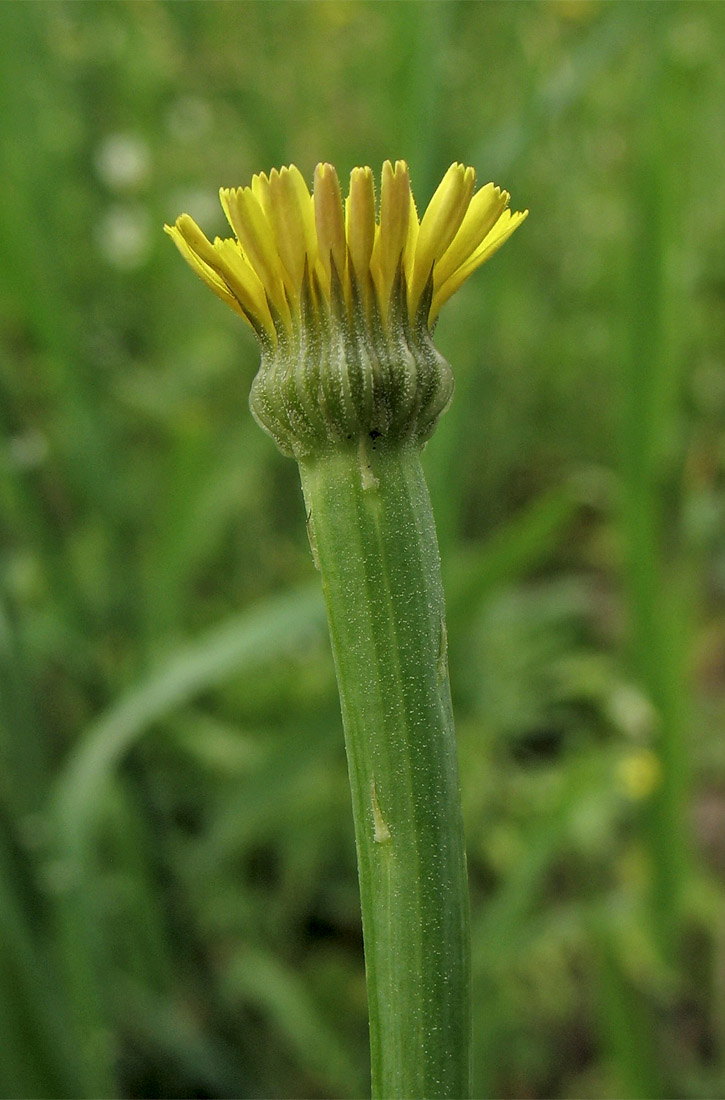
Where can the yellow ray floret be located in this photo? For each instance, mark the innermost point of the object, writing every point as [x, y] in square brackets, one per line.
[291, 247]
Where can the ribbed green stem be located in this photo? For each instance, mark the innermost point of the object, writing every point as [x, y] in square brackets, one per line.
[373, 536]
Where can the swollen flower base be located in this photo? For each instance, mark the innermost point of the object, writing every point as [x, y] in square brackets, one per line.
[343, 299]
[343, 304]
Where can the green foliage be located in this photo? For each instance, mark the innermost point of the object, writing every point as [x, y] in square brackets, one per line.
[178, 898]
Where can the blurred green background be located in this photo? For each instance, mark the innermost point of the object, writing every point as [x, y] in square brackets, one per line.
[178, 896]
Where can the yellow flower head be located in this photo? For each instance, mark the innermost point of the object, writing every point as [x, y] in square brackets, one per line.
[293, 249]
[343, 294]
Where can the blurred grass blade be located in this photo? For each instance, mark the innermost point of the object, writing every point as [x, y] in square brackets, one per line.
[22, 750]
[276, 791]
[275, 627]
[281, 625]
[610, 34]
[37, 1055]
[658, 607]
[627, 1022]
[279, 992]
[520, 545]
[174, 1035]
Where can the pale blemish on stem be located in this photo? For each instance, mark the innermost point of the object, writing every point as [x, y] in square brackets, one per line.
[368, 478]
[313, 544]
[443, 653]
[382, 832]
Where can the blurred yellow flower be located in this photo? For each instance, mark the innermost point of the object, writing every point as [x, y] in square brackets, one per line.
[640, 773]
[296, 252]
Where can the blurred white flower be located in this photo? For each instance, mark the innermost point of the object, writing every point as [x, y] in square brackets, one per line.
[28, 449]
[123, 237]
[632, 712]
[203, 205]
[123, 162]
